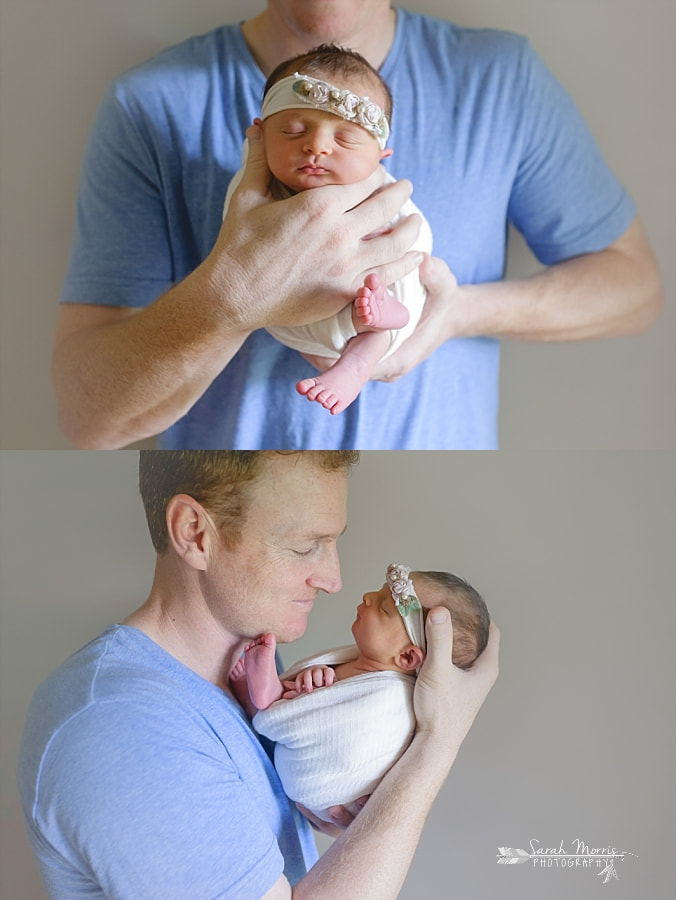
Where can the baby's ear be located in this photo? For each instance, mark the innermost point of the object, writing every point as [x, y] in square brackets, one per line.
[387, 152]
[410, 658]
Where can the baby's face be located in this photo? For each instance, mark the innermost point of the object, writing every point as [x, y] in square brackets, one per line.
[379, 630]
[308, 148]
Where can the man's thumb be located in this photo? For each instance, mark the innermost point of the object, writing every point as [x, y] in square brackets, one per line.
[439, 637]
[432, 271]
[439, 628]
[256, 175]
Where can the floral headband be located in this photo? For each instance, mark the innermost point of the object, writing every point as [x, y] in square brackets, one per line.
[298, 91]
[406, 601]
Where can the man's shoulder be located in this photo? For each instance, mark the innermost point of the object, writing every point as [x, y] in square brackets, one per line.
[441, 34]
[177, 67]
[120, 689]
[120, 675]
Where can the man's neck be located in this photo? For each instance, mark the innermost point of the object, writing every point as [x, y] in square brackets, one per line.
[179, 622]
[271, 39]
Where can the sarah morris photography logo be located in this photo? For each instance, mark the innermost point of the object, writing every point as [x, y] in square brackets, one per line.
[578, 855]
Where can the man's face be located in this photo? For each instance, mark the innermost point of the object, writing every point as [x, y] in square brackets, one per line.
[286, 554]
[326, 21]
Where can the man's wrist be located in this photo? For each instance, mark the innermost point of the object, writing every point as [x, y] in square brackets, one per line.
[213, 286]
[432, 754]
[467, 312]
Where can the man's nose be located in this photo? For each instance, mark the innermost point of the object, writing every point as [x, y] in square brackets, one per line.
[328, 578]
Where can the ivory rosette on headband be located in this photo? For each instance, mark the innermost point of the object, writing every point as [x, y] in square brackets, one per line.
[298, 91]
[406, 601]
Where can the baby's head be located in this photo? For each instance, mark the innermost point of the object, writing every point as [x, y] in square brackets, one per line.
[390, 626]
[469, 615]
[325, 118]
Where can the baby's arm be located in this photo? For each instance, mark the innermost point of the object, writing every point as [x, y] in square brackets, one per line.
[256, 684]
[307, 680]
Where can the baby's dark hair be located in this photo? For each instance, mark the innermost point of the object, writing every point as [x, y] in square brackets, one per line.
[329, 60]
[470, 617]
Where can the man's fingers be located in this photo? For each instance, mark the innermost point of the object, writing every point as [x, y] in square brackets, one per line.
[351, 196]
[341, 816]
[379, 209]
[392, 271]
[488, 663]
[387, 254]
[319, 824]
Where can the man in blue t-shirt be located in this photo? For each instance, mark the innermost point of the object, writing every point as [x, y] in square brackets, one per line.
[163, 310]
[140, 775]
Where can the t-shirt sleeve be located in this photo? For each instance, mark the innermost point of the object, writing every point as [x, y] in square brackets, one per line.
[154, 809]
[565, 200]
[120, 252]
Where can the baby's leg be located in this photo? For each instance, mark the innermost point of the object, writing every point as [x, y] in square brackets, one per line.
[336, 388]
[261, 671]
[375, 307]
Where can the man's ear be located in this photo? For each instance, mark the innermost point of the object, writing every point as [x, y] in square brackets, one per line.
[190, 529]
[410, 658]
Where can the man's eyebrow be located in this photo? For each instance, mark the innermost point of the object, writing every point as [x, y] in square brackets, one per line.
[328, 537]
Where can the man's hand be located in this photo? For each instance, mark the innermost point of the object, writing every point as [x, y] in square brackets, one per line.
[341, 817]
[440, 315]
[441, 319]
[122, 375]
[298, 259]
[610, 293]
[447, 699]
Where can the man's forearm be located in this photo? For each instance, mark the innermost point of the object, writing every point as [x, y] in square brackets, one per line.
[129, 376]
[607, 294]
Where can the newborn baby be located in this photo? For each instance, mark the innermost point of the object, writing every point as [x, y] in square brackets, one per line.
[335, 744]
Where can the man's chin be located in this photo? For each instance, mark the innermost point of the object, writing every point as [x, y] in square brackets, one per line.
[291, 633]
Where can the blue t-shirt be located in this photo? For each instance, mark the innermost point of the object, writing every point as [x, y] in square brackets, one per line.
[139, 779]
[480, 126]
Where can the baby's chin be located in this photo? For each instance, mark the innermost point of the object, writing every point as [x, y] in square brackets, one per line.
[298, 181]
[307, 182]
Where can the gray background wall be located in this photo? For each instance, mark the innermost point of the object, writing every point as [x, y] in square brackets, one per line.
[574, 554]
[614, 56]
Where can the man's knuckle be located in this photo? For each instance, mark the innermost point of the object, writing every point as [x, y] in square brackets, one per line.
[317, 205]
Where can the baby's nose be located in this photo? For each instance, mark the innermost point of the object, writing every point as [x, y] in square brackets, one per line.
[318, 142]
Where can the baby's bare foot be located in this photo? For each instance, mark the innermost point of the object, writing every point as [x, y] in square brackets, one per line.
[238, 671]
[334, 394]
[375, 307]
[315, 390]
[261, 672]
[260, 651]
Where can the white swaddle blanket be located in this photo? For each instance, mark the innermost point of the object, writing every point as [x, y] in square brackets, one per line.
[334, 744]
